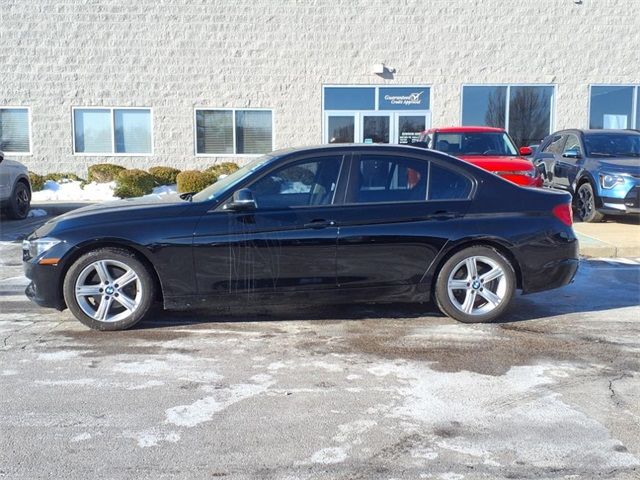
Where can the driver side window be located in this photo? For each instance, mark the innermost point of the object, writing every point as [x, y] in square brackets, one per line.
[572, 144]
[307, 183]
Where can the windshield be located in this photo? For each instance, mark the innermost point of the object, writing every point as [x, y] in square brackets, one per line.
[612, 145]
[477, 143]
[221, 185]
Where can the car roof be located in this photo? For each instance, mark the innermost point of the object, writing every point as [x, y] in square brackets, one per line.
[344, 146]
[467, 129]
[599, 131]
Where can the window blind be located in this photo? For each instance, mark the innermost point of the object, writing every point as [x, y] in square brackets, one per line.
[253, 131]
[14, 130]
[214, 132]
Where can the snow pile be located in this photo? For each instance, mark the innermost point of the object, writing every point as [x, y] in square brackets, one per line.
[73, 191]
[37, 212]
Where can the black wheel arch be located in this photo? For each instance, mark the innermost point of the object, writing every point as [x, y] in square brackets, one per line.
[90, 245]
[501, 246]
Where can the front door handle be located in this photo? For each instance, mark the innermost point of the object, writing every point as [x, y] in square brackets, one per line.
[445, 215]
[319, 223]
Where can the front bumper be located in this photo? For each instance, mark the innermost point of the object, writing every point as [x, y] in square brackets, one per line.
[620, 206]
[45, 288]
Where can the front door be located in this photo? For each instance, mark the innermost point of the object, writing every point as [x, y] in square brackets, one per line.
[375, 127]
[287, 243]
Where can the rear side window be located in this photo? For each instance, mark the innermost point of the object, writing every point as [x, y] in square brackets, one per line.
[554, 145]
[447, 184]
[390, 179]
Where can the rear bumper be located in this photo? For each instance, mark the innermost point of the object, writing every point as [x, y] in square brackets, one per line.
[553, 275]
[44, 289]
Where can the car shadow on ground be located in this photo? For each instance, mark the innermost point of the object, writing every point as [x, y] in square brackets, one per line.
[582, 296]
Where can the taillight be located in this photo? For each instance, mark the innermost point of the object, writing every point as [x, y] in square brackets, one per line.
[564, 213]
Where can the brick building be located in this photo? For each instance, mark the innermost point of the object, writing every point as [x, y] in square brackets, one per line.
[189, 83]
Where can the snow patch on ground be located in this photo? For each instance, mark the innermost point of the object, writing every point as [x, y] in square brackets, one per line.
[81, 437]
[204, 409]
[329, 455]
[59, 356]
[91, 192]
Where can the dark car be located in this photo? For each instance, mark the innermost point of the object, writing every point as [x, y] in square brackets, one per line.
[15, 188]
[600, 168]
[330, 224]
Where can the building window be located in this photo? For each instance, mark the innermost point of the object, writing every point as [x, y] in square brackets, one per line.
[234, 132]
[525, 111]
[614, 106]
[15, 136]
[112, 131]
[375, 114]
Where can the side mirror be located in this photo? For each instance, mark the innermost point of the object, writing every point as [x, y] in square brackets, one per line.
[242, 200]
[572, 154]
[526, 151]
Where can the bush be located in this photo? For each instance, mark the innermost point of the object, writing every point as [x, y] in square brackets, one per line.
[194, 180]
[164, 175]
[58, 177]
[133, 183]
[37, 181]
[104, 172]
[224, 168]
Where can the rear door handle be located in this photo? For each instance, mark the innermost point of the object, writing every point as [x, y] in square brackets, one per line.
[319, 223]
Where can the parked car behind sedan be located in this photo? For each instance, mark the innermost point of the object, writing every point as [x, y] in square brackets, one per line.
[600, 168]
[329, 224]
[15, 189]
[487, 147]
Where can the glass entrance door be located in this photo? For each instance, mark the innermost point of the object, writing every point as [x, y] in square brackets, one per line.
[376, 128]
[409, 127]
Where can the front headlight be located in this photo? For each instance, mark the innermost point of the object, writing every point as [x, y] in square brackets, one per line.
[38, 246]
[609, 180]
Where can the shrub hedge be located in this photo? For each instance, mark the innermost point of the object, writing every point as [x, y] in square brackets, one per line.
[164, 175]
[133, 183]
[194, 180]
[37, 181]
[224, 168]
[104, 172]
[57, 177]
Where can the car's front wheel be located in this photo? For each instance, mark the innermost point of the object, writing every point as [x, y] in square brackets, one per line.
[475, 285]
[20, 201]
[585, 204]
[108, 289]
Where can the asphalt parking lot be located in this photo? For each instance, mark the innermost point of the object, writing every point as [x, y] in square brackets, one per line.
[359, 392]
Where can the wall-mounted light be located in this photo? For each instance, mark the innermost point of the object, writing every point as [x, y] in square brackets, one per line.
[378, 68]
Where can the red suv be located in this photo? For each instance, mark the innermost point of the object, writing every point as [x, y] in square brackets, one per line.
[489, 148]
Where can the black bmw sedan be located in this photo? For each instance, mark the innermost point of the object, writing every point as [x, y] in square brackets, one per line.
[329, 224]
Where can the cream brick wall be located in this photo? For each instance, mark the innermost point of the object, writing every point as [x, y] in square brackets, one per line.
[174, 55]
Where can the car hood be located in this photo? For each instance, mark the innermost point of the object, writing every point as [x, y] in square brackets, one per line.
[117, 211]
[499, 163]
[620, 165]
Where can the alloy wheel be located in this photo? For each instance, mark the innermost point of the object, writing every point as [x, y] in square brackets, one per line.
[585, 203]
[108, 290]
[477, 285]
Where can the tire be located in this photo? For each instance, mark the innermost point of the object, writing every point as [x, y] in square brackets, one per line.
[96, 275]
[472, 298]
[20, 201]
[585, 204]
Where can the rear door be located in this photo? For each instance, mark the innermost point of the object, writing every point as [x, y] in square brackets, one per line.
[568, 163]
[399, 212]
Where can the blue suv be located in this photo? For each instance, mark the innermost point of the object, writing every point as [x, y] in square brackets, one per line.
[600, 168]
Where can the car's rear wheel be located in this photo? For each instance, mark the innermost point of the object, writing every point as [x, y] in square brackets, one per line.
[109, 289]
[475, 285]
[585, 204]
[20, 201]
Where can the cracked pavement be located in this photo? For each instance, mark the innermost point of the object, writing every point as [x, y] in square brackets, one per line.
[350, 392]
